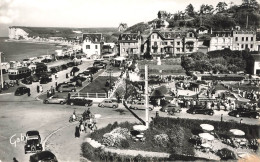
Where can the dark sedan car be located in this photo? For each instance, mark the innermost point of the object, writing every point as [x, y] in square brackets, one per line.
[100, 65]
[33, 142]
[45, 80]
[81, 78]
[81, 101]
[43, 156]
[200, 110]
[243, 112]
[21, 91]
[93, 70]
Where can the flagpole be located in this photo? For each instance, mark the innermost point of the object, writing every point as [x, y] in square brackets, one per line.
[1, 70]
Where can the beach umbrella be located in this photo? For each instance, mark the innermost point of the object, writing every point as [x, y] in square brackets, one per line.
[207, 127]
[139, 127]
[238, 132]
[206, 145]
[206, 136]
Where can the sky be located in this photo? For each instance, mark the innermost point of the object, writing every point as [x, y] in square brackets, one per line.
[88, 13]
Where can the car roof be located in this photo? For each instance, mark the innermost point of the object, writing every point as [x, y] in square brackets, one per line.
[44, 155]
[32, 133]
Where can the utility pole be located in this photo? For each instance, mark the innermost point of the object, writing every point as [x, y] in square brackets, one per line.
[146, 97]
[2, 85]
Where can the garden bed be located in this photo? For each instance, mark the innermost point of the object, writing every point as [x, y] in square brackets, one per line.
[168, 135]
[98, 86]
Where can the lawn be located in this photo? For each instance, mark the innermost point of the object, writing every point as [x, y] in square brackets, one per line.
[98, 85]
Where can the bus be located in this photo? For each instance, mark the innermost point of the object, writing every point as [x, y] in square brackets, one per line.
[19, 73]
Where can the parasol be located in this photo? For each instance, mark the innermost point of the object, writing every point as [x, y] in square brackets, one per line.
[237, 132]
[206, 145]
[206, 136]
[207, 127]
[139, 127]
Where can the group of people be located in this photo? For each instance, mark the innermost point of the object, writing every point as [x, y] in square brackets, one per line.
[50, 92]
[87, 121]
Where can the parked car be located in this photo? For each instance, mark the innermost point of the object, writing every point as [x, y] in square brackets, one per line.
[84, 75]
[243, 112]
[27, 80]
[200, 110]
[140, 105]
[21, 91]
[54, 70]
[64, 83]
[81, 101]
[64, 66]
[108, 103]
[171, 108]
[100, 65]
[32, 142]
[75, 78]
[93, 70]
[45, 156]
[46, 60]
[45, 80]
[70, 64]
[55, 100]
[67, 88]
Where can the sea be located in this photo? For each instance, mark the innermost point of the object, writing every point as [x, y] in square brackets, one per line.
[19, 50]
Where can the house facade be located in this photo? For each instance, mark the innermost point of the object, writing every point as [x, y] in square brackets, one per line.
[130, 44]
[172, 42]
[234, 40]
[92, 44]
[122, 27]
[256, 64]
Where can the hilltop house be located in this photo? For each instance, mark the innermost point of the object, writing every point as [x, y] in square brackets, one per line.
[172, 42]
[122, 27]
[234, 40]
[130, 44]
[92, 43]
[202, 30]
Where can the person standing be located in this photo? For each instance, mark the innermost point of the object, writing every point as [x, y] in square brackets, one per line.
[77, 133]
[38, 89]
[29, 92]
[17, 82]
[52, 91]
[48, 93]
[41, 89]
[69, 97]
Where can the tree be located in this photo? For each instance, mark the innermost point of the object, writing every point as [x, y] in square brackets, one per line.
[221, 6]
[190, 10]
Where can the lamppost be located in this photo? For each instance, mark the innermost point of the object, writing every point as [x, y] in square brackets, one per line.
[1, 70]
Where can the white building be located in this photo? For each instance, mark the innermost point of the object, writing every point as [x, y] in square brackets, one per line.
[256, 64]
[92, 43]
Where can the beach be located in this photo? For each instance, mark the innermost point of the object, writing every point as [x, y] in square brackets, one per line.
[19, 50]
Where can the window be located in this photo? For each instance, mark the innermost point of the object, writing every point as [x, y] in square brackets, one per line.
[171, 43]
[246, 38]
[96, 46]
[236, 38]
[246, 46]
[224, 40]
[165, 43]
[251, 46]
[252, 38]
[123, 50]
[191, 35]
[178, 43]
[152, 36]
[155, 43]
[157, 36]
[87, 46]
[178, 49]
[161, 49]
[242, 38]
[242, 46]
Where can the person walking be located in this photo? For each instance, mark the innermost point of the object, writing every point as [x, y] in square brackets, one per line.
[41, 89]
[52, 91]
[48, 93]
[38, 89]
[29, 92]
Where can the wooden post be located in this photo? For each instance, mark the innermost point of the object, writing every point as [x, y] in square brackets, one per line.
[146, 97]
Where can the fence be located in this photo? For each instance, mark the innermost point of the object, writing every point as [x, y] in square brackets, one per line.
[90, 95]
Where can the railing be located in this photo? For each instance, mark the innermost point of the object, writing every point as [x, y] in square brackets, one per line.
[90, 95]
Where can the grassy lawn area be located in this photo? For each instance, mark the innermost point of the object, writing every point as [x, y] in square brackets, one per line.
[98, 85]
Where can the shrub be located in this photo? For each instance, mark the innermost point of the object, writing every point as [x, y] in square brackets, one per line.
[161, 139]
[123, 131]
[108, 139]
[125, 144]
[88, 151]
[226, 154]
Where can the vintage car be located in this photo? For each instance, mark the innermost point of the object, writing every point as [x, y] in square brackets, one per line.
[200, 110]
[32, 142]
[81, 101]
[140, 105]
[45, 156]
[100, 65]
[55, 100]
[243, 112]
[93, 70]
[171, 108]
[21, 91]
[108, 103]
[67, 88]
[78, 77]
